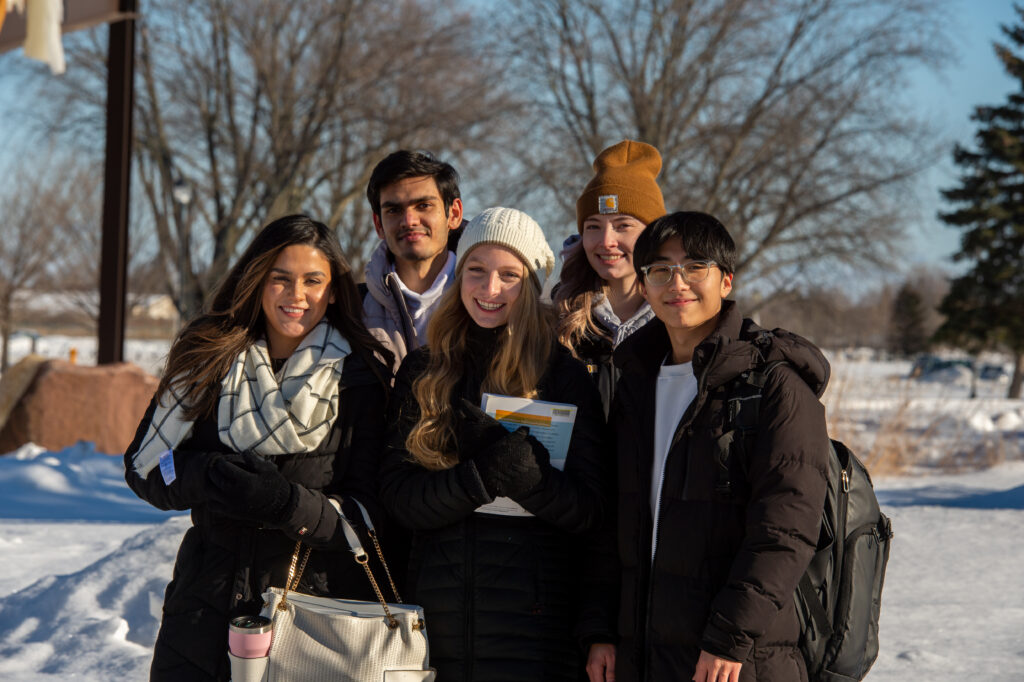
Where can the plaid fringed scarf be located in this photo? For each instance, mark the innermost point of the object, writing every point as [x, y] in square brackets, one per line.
[258, 413]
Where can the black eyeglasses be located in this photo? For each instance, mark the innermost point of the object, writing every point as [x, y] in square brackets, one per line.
[693, 272]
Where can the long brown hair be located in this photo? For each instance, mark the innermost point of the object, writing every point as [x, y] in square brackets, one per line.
[574, 299]
[204, 349]
[522, 357]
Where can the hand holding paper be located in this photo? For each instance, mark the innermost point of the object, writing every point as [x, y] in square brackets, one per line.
[476, 429]
[542, 429]
[509, 467]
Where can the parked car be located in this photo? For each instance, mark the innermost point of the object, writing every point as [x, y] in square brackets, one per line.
[993, 373]
[928, 366]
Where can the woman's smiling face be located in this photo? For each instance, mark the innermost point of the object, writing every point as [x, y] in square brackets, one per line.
[296, 294]
[608, 242]
[492, 280]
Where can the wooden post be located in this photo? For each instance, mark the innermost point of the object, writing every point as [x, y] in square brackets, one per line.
[118, 167]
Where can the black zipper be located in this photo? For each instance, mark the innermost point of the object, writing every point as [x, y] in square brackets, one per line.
[684, 423]
[845, 571]
[653, 559]
[842, 503]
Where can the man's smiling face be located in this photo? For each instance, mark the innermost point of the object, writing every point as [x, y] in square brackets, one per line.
[680, 305]
[413, 221]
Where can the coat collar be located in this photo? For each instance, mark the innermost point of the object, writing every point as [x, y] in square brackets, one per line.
[736, 345]
[721, 356]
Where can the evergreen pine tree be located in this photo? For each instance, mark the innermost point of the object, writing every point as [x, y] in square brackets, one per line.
[985, 307]
[906, 328]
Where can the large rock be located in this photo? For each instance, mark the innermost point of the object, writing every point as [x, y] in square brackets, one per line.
[55, 404]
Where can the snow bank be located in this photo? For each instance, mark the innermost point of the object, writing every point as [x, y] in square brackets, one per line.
[73, 484]
[98, 623]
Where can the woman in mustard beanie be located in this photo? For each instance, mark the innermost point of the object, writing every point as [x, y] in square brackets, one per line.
[598, 299]
[494, 516]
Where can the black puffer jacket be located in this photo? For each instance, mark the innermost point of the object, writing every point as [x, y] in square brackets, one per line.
[498, 592]
[224, 565]
[726, 567]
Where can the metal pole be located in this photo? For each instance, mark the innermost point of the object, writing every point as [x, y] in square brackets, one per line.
[114, 253]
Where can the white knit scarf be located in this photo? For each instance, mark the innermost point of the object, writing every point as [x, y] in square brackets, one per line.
[255, 411]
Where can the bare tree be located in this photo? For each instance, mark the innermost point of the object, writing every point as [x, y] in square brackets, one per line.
[248, 110]
[75, 267]
[29, 215]
[782, 117]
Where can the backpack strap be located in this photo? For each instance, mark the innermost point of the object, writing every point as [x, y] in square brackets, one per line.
[743, 407]
[814, 611]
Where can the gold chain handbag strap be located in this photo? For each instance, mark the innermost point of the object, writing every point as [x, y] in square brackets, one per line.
[372, 532]
[387, 571]
[294, 575]
[295, 570]
[363, 559]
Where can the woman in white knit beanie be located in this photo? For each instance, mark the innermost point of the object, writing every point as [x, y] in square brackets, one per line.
[491, 515]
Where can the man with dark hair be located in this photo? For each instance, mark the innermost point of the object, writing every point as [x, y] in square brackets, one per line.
[712, 540]
[417, 211]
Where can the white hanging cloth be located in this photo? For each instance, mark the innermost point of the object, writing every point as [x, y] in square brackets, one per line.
[43, 19]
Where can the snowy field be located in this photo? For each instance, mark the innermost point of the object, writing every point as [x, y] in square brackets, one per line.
[85, 562]
[149, 355]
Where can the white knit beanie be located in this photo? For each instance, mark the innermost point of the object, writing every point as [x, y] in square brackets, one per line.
[514, 230]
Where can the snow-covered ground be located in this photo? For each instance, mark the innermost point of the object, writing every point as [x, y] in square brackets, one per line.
[80, 599]
[85, 562]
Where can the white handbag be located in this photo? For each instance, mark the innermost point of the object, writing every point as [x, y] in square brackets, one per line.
[341, 640]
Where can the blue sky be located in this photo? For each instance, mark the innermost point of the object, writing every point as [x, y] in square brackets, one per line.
[976, 77]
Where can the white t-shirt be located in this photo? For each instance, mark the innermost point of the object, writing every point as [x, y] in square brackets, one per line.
[421, 306]
[676, 389]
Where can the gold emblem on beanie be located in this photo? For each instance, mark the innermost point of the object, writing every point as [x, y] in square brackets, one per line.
[608, 203]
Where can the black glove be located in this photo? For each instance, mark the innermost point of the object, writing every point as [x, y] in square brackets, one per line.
[250, 488]
[510, 467]
[192, 479]
[475, 429]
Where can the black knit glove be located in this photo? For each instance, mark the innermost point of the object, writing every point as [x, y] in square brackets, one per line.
[475, 429]
[250, 488]
[192, 475]
[511, 467]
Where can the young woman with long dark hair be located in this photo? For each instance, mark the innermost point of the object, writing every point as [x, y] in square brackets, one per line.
[498, 585]
[272, 400]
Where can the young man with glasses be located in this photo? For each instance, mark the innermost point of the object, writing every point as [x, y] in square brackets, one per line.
[708, 571]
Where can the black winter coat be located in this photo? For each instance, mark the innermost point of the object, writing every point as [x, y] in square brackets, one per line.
[726, 567]
[224, 565]
[499, 592]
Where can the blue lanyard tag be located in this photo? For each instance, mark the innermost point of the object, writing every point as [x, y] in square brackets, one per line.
[167, 467]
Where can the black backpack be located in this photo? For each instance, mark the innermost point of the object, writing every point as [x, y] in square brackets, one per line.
[839, 596]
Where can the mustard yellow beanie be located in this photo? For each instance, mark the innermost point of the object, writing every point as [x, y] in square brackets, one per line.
[624, 183]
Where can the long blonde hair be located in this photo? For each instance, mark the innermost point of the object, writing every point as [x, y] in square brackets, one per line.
[522, 356]
[574, 299]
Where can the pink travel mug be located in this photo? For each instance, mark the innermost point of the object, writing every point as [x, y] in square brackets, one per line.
[249, 636]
